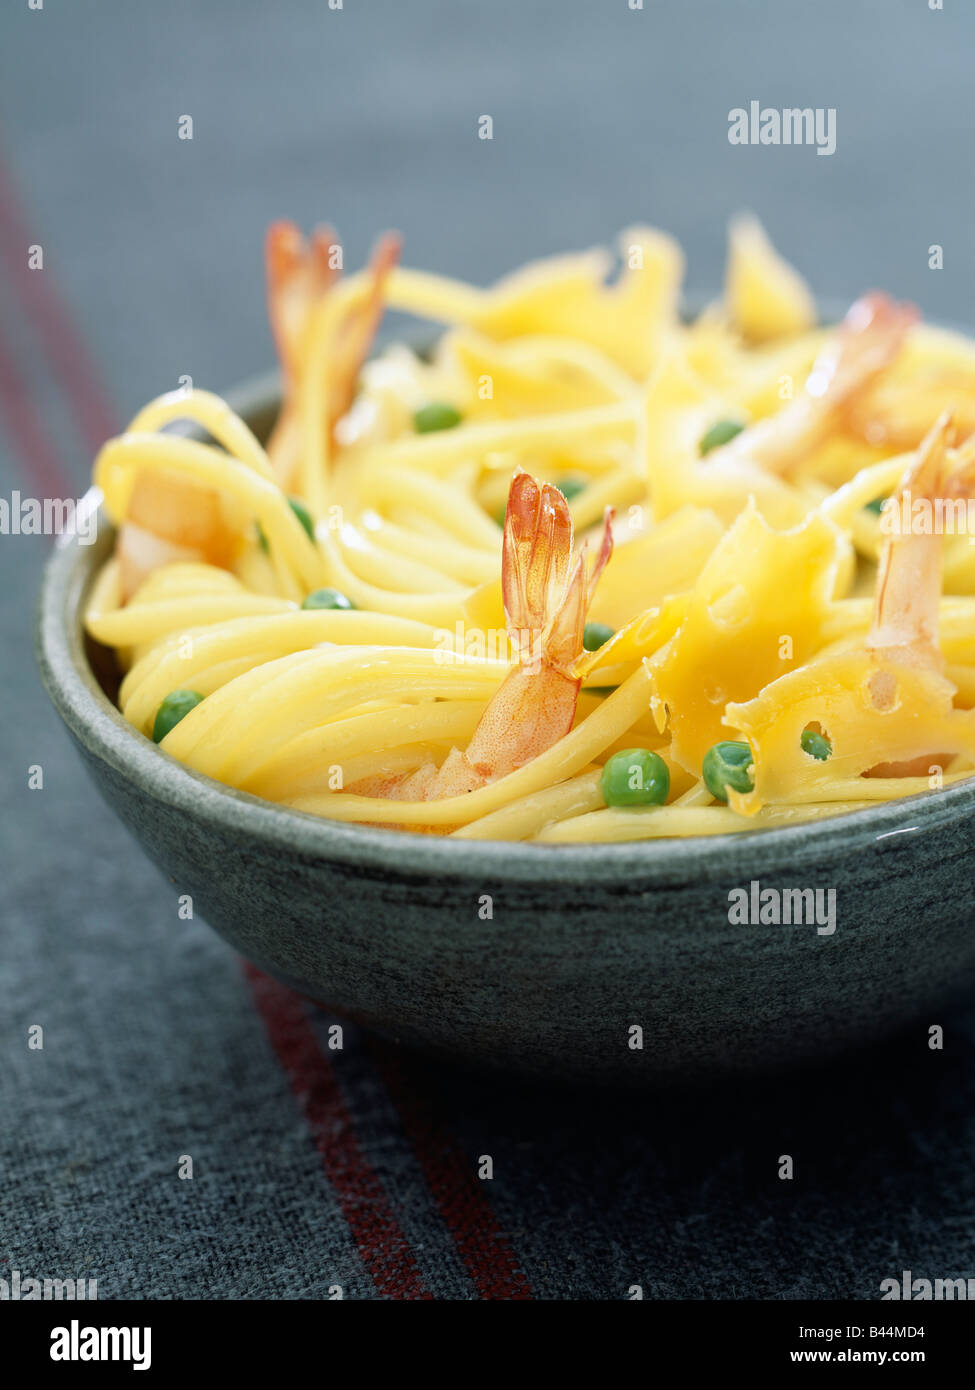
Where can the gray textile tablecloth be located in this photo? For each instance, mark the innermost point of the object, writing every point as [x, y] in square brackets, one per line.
[359, 1172]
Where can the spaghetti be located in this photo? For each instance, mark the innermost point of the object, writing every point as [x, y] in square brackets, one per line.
[587, 572]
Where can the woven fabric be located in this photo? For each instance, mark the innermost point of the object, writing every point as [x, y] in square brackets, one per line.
[316, 1172]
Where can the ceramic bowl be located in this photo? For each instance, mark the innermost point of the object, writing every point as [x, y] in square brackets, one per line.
[605, 963]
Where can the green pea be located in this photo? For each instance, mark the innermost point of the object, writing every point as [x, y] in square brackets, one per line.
[303, 515]
[500, 515]
[635, 777]
[726, 765]
[719, 433]
[596, 635]
[816, 745]
[876, 506]
[435, 416]
[601, 689]
[570, 487]
[175, 707]
[327, 598]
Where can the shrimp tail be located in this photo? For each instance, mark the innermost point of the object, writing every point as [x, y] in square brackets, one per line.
[545, 604]
[905, 623]
[356, 335]
[546, 597]
[869, 338]
[298, 273]
[535, 558]
[850, 361]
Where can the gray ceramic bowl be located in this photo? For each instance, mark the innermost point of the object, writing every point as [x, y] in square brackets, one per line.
[585, 943]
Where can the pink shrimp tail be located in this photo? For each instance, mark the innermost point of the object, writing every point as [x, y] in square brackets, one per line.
[870, 337]
[298, 273]
[357, 334]
[546, 597]
[546, 605]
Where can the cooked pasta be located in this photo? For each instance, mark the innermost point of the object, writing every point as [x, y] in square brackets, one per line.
[586, 571]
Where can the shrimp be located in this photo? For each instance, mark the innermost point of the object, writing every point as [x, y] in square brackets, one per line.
[546, 599]
[169, 519]
[298, 273]
[904, 630]
[299, 276]
[864, 345]
[172, 519]
[905, 622]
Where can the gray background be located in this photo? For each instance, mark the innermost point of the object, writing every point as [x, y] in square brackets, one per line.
[367, 117]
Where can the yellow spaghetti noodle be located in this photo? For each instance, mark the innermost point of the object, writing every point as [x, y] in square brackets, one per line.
[378, 616]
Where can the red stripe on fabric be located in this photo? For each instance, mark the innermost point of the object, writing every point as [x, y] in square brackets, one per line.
[458, 1192]
[382, 1246]
[53, 321]
[39, 456]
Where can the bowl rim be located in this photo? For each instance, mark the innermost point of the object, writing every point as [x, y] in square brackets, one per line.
[93, 719]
